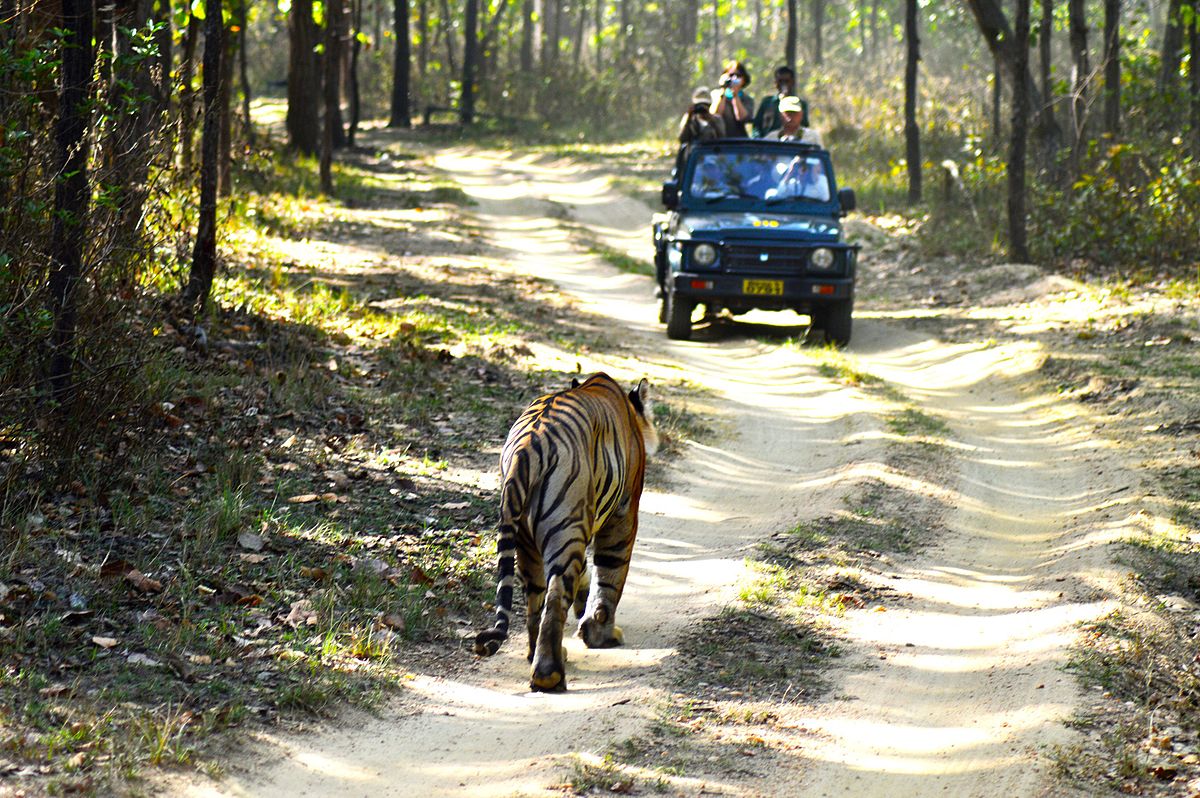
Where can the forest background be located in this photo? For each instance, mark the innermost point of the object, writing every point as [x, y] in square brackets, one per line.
[133, 178]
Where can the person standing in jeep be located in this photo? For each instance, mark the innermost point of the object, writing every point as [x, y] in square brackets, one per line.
[768, 116]
[733, 105]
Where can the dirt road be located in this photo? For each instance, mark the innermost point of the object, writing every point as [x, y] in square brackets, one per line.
[957, 689]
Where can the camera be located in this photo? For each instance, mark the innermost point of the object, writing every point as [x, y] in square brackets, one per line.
[724, 80]
[700, 108]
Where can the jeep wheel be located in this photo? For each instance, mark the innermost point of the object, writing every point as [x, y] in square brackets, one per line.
[679, 316]
[837, 321]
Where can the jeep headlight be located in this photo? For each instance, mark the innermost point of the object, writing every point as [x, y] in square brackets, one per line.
[822, 258]
[704, 255]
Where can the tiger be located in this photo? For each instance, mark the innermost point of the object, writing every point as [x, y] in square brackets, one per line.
[571, 474]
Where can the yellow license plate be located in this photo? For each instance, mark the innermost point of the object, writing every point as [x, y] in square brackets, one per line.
[770, 287]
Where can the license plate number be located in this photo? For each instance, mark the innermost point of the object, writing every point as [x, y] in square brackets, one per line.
[770, 287]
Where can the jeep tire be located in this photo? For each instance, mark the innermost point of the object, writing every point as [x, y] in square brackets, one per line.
[836, 321]
[679, 316]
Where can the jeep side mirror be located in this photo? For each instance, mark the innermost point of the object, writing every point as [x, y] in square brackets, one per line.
[846, 200]
[670, 194]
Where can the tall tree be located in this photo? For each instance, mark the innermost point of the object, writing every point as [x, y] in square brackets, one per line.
[243, 57]
[466, 107]
[1045, 51]
[818, 30]
[912, 132]
[401, 115]
[1172, 47]
[1017, 233]
[304, 80]
[356, 37]
[187, 95]
[71, 191]
[1080, 70]
[1112, 66]
[989, 16]
[225, 97]
[789, 48]
[204, 252]
[1194, 81]
[332, 59]
[527, 36]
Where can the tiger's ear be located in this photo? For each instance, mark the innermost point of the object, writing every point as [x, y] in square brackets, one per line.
[574, 382]
[640, 395]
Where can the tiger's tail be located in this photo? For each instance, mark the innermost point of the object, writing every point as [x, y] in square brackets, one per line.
[512, 507]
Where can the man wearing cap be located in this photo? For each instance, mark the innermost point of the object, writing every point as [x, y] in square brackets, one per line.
[768, 118]
[698, 124]
[793, 128]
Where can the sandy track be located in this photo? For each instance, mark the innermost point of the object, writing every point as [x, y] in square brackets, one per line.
[968, 687]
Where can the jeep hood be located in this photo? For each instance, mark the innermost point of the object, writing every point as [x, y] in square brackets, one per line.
[756, 224]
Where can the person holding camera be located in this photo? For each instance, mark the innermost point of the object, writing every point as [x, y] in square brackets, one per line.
[768, 116]
[698, 124]
[734, 106]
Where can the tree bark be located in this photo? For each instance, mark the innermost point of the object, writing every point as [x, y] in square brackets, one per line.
[912, 132]
[527, 37]
[423, 33]
[304, 80]
[204, 253]
[355, 51]
[1112, 67]
[579, 23]
[598, 13]
[332, 58]
[71, 190]
[716, 35]
[789, 47]
[466, 106]
[1080, 70]
[243, 21]
[997, 105]
[1045, 51]
[187, 96]
[1172, 46]
[225, 97]
[162, 16]
[1194, 81]
[1017, 236]
[818, 25]
[999, 37]
[401, 115]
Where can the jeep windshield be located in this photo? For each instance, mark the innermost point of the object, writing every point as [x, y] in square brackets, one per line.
[737, 176]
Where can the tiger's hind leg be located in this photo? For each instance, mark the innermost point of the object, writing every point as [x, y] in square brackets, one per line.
[582, 588]
[613, 548]
[550, 659]
[533, 578]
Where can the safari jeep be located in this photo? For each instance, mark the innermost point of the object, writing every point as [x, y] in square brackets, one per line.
[755, 224]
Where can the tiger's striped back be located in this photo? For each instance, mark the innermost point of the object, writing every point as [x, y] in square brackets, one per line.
[571, 471]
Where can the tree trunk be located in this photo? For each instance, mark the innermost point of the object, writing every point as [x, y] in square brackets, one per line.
[162, 16]
[789, 48]
[818, 25]
[340, 23]
[332, 58]
[1172, 46]
[716, 35]
[1080, 70]
[912, 132]
[999, 37]
[1045, 51]
[1112, 67]
[401, 112]
[243, 17]
[423, 33]
[1194, 80]
[447, 33]
[874, 29]
[599, 26]
[580, 20]
[628, 43]
[1017, 239]
[304, 80]
[187, 96]
[466, 106]
[71, 191]
[225, 158]
[527, 37]
[204, 253]
[355, 51]
[997, 104]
